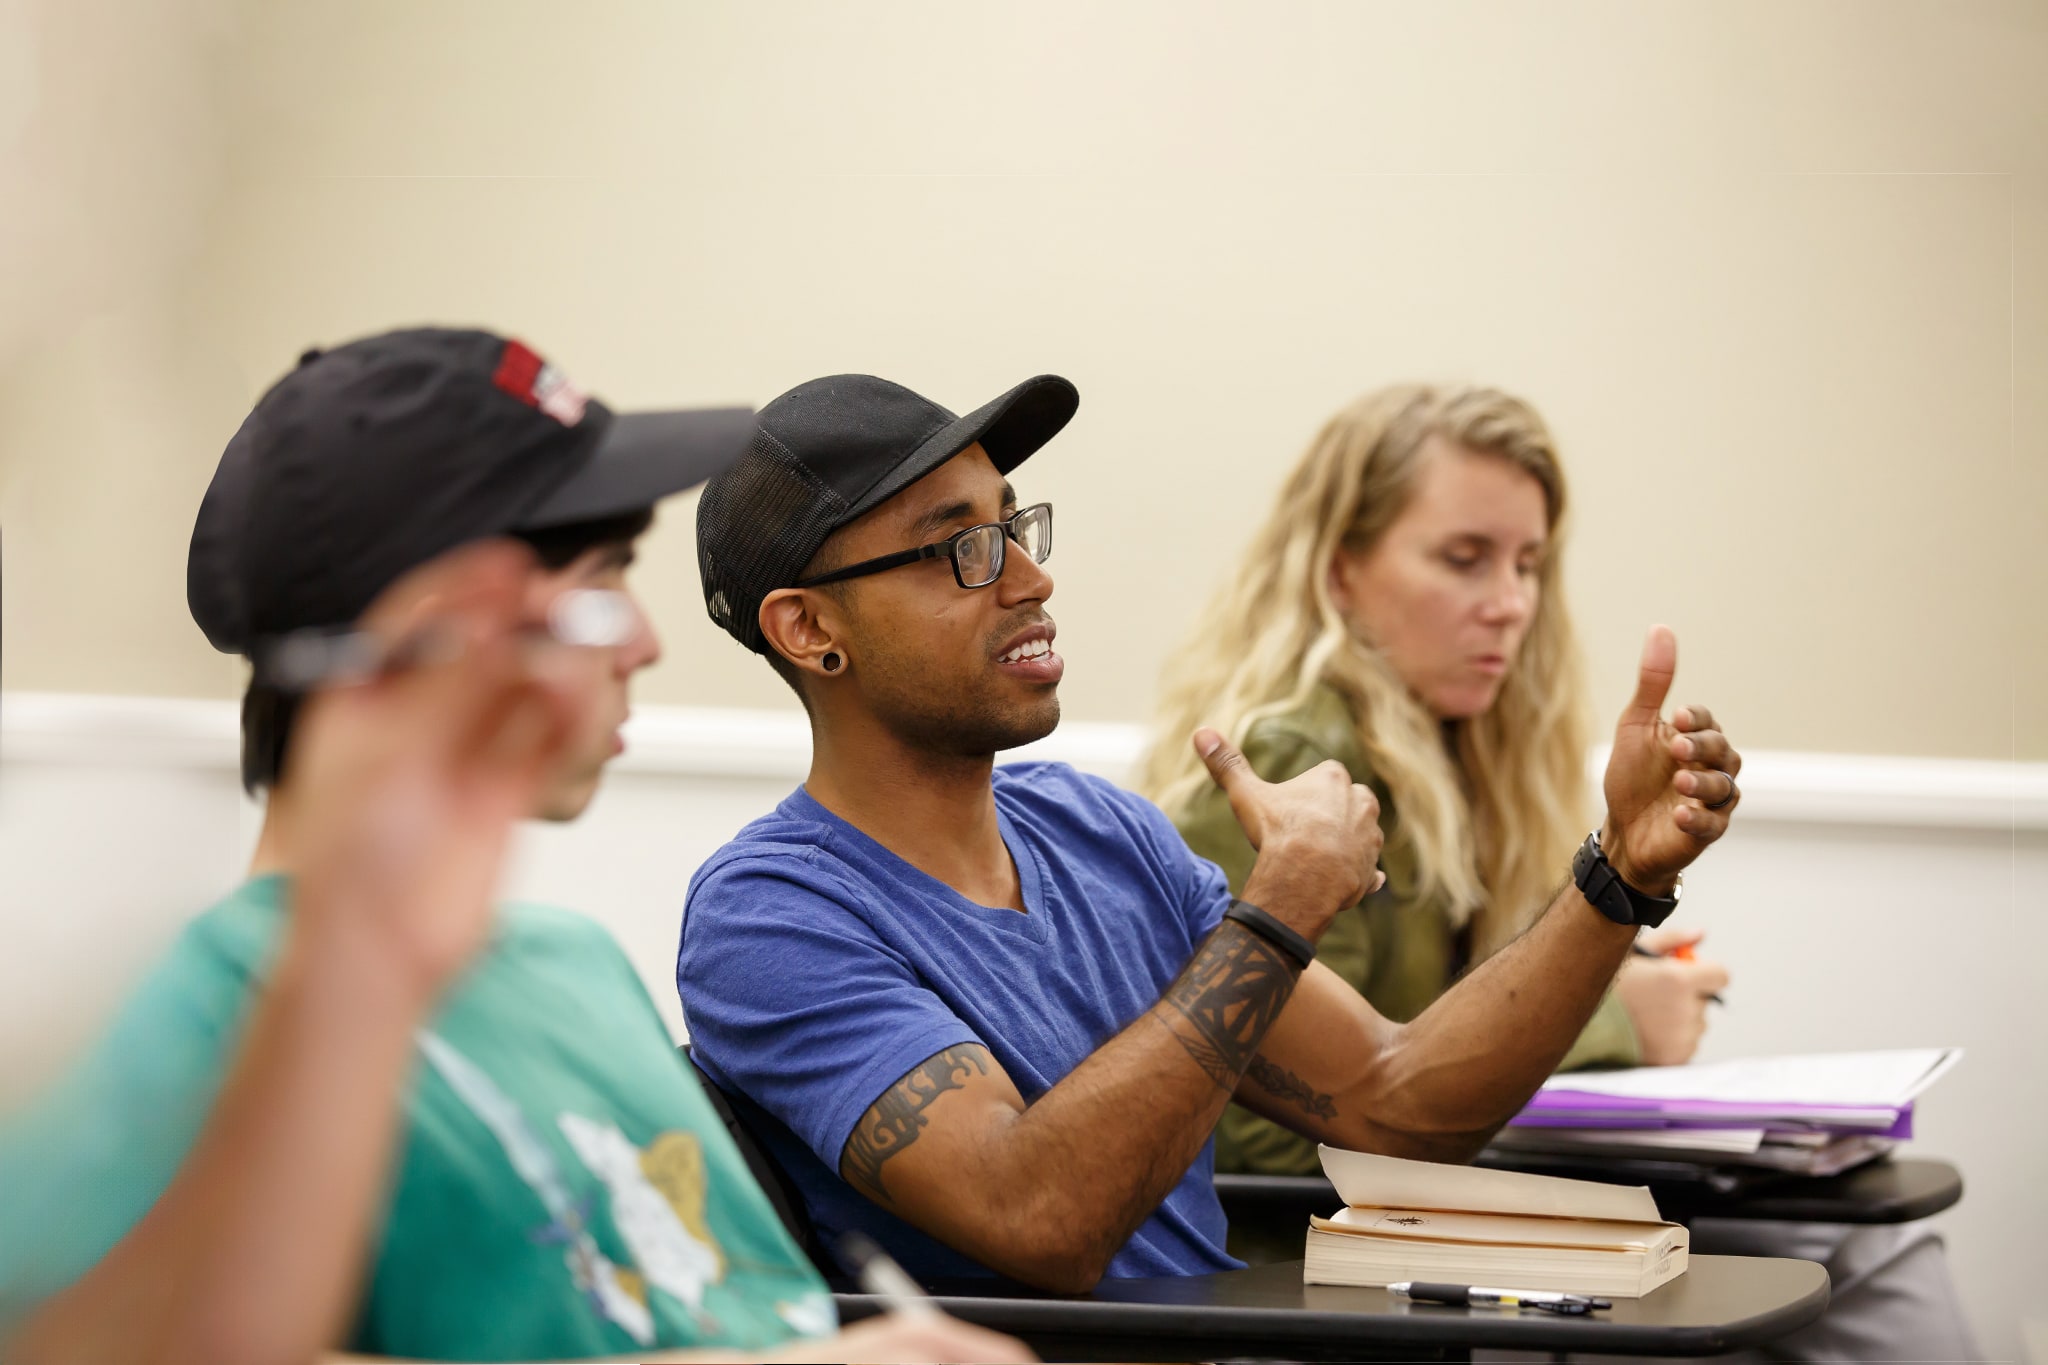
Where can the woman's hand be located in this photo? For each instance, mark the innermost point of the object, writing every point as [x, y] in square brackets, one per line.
[1666, 995]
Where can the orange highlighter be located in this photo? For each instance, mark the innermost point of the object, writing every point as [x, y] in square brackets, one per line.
[1682, 953]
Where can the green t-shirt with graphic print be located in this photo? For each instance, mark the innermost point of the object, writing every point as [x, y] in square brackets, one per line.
[564, 1188]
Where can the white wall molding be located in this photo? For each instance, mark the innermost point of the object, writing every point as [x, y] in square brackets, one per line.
[719, 743]
[1882, 790]
[150, 732]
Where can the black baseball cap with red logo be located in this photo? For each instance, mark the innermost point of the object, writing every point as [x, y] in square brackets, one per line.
[376, 456]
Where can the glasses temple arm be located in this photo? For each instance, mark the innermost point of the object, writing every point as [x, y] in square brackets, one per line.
[868, 566]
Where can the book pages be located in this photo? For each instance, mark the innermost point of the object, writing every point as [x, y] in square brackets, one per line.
[1367, 1181]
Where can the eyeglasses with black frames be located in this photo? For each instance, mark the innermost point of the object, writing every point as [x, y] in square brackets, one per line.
[977, 552]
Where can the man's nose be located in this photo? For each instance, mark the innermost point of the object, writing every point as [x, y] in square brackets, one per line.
[1023, 578]
[642, 648]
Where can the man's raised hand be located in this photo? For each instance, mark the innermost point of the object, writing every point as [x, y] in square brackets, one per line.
[406, 786]
[1318, 835]
[1670, 785]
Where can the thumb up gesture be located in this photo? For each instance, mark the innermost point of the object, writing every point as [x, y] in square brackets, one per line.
[1670, 785]
[1318, 836]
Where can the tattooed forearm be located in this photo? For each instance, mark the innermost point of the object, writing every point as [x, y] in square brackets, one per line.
[1227, 996]
[1283, 1084]
[893, 1121]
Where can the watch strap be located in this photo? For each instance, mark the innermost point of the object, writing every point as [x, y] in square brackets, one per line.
[1272, 930]
[1606, 892]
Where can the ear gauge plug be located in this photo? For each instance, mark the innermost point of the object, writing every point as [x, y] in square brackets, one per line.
[830, 663]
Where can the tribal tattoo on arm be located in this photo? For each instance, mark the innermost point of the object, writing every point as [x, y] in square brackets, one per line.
[1283, 1084]
[894, 1121]
[1226, 998]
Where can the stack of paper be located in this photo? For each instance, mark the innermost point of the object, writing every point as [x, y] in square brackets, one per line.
[1812, 1115]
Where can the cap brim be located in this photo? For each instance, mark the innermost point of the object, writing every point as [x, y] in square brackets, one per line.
[1011, 429]
[644, 457]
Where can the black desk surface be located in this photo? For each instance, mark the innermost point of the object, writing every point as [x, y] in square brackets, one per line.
[1721, 1303]
[1894, 1191]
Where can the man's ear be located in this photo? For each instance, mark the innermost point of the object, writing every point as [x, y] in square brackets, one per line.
[791, 623]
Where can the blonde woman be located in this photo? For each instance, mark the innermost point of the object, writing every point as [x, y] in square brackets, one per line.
[1399, 611]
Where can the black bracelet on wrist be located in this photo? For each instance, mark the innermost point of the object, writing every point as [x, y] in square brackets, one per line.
[1272, 930]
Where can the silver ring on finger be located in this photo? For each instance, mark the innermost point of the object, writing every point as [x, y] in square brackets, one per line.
[1717, 805]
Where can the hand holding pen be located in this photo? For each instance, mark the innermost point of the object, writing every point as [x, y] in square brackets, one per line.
[1678, 946]
[409, 771]
[913, 1327]
[1666, 991]
[308, 660]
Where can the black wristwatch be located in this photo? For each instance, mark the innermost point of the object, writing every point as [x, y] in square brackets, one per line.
[1601, 885]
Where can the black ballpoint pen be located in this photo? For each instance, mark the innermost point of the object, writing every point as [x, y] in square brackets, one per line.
[1480, 1296]
[322, 656]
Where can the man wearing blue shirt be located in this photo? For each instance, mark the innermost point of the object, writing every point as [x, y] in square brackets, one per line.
[991, 1017]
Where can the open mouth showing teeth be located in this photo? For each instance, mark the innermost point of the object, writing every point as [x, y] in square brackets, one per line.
[1030, 649]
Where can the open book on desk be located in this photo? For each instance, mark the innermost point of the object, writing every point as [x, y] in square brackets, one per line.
[1418, 1220]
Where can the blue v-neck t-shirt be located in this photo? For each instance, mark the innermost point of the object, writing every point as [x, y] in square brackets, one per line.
[817, 968]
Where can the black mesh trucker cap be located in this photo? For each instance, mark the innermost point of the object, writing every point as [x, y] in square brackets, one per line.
[376, 456]
[830, 450]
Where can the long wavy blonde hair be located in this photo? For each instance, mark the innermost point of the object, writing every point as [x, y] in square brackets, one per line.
[1490, 806]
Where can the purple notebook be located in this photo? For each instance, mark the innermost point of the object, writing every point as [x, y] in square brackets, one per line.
[1583, 1109]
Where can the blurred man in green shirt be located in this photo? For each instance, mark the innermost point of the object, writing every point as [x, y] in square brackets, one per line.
[359, 1102]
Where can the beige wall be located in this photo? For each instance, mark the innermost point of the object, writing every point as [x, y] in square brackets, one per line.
[1778, 274]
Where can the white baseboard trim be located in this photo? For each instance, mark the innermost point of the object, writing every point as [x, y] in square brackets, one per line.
[91, 730]
[711, 743]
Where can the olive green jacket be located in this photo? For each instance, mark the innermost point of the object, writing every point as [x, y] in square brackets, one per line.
[1396, 951]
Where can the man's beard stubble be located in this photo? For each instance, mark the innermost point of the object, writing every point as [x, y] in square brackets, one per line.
[970, 721]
